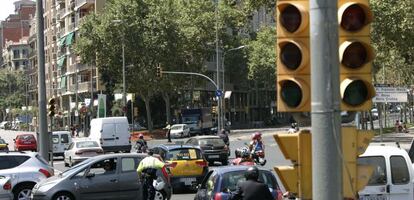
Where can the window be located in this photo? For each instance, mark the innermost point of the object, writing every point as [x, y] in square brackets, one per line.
[80, 174]
[71, 145]
[24, 52]
[8, 162]
[86, 144]
[129, 164]
[104, 167]
[399, 170]
[16, 53]
[184, 154]
[55, 139]
[379, 176]
[64, 138]
[41, 159]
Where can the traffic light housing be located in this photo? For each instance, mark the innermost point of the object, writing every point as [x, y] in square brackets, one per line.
[51, 107]
[159, 72]
[296, 147]
[293, 56]
[355, 55]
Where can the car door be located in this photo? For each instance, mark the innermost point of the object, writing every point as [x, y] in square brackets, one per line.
[129, 185]
[108, 135]
[100, 183]
[401, 186]
[206, 187]
[122, 134]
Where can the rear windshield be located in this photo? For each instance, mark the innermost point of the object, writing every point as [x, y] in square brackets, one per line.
[184, 154]
[41, 159]
[2, 141]
[212, 141]
[379, 176]
[26, 137]
[86, 144]
[231, 179]
[176, 127]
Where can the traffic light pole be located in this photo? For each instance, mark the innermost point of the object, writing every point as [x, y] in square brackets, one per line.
[325, 101]
[43, 134]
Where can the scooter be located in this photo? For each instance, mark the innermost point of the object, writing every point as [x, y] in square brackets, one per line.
[259, 157]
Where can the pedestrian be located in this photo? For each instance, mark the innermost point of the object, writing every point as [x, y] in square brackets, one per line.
[147, 171]
[73, 130]
[251, 189]
[224, 136]
[168, 128]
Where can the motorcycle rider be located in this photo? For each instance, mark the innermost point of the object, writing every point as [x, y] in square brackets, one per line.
[147, 171]
[256, 145]
[141, 144]
[244, 157]
[293, 128]
[252, 188]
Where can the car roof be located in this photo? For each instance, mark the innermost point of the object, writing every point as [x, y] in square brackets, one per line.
[383, 150]
[112, 155]
[23, 134]
[207, 137]
[60, 132]
[232, 168]
[176, 146]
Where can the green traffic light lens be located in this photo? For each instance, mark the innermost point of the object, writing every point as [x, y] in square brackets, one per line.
[353, 18]
[291, 56]
[355, 55]
[290, 18]
[356, 93]
[291, 94]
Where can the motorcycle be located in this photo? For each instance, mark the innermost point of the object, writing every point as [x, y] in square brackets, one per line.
[258, 157]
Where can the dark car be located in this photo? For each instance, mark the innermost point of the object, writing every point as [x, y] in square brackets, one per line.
[90, 180]
[222, 179]
[25, 142]
[213, 148]
[3, 145]
[188, 166]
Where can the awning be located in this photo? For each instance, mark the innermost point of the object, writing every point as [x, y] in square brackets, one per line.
[63, 82]
[69, 38]
[61, 41]
[61, 61]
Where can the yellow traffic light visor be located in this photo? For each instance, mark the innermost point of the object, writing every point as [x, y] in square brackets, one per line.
[293, 55]
[353, 16]
[294, 92]
[293, 16]
[356, 91]
[355, 54]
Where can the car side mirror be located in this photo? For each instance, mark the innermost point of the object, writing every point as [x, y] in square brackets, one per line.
[226, 190]
[90, 175]
[14, 140]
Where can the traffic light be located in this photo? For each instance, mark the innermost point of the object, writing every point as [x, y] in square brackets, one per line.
[213, 109]
[293, 56]
[296, 147]
[159, 72]
[355, 55]
[354, 144]
[51, 107]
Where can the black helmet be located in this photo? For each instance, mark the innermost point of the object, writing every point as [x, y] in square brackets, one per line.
[150, 152]
[252, 173]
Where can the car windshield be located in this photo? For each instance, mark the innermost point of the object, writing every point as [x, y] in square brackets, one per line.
[231, 179]
[26, 137]
[2, 141]
[179, 127]
[76, 167]
[184, 154]
[190, 120]
[379, 176]
[86, 144]
[211, 142]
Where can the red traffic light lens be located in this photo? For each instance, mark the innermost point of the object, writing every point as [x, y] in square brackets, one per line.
[290, 18]
[356, 93]
[291, 56]
[353, 18]
[355, 55]
[291, 94]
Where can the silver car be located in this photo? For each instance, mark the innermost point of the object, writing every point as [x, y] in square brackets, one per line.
[110, 176]
[80, 150]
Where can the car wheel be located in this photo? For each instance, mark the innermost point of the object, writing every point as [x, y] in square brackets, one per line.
[160, 195]
[63, 196]
[22, 192]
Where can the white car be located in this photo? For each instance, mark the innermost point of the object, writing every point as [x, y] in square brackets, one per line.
[25, 169]
[80, 150]
[5, 188]
[180, 130]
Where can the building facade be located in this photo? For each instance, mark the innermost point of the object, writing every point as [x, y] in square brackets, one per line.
[16, 55]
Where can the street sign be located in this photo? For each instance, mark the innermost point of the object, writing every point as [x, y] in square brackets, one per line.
[219, 93]
[390, 95]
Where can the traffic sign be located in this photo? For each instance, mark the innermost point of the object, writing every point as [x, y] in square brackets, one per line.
[219, 93]
[391, 95]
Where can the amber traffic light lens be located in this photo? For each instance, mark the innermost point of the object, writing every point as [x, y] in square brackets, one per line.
[355, 55]
[291, 56]
[353, 18]
[291, 94]
[356, 93]
[290, 18]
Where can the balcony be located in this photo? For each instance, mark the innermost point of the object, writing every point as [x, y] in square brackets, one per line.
[82, 87]
[84, 4]
[61, 13]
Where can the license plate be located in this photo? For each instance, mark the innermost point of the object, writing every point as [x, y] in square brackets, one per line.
[373, 197]
[213, 156]
[188, 181]
[27, 143]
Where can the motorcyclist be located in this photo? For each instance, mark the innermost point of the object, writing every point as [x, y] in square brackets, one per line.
[224, 136]
[293, 128]
[245, 157]
[147, 170]
[141, 144]
[252, 188]
[256, 145]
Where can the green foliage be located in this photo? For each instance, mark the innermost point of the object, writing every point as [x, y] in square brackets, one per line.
[12, 87]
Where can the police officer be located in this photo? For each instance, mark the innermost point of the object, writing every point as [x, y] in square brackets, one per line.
[147, 169]
[252, 189]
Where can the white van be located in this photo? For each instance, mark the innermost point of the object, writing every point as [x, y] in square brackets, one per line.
[393, 176]
[60, 140]
[112, 132]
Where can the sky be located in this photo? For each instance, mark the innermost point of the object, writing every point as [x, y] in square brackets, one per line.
[6, 8]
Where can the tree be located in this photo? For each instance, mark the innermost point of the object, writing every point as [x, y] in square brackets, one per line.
[12, 87]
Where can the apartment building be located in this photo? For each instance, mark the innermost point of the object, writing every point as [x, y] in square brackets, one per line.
[32, 68]
[16, 55]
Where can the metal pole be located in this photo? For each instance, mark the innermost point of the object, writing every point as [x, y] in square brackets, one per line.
[223, 101]
[123, 76]
[43, 135]
[218, 72]
[325, 96]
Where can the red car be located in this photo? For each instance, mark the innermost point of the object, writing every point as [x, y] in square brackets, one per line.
[25, 142]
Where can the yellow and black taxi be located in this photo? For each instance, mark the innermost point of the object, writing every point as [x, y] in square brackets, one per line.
[3, 145]
[187, 164]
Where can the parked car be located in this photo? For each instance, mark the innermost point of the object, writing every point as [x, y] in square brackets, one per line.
[136, 127]
[222, 179]
[213, 148]
[5, 188]
[3, 145]
[5, 125]
[180, 130]
[25, 142]
[188, 164]
[89, 180]
[61, 141]
[80, 150]
[112, 133]
[26, 169]
[374, 113]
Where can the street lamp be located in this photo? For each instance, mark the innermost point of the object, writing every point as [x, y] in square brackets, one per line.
[123, 68]
[223, 88]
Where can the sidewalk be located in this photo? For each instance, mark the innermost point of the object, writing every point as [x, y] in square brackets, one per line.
[404, 139]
